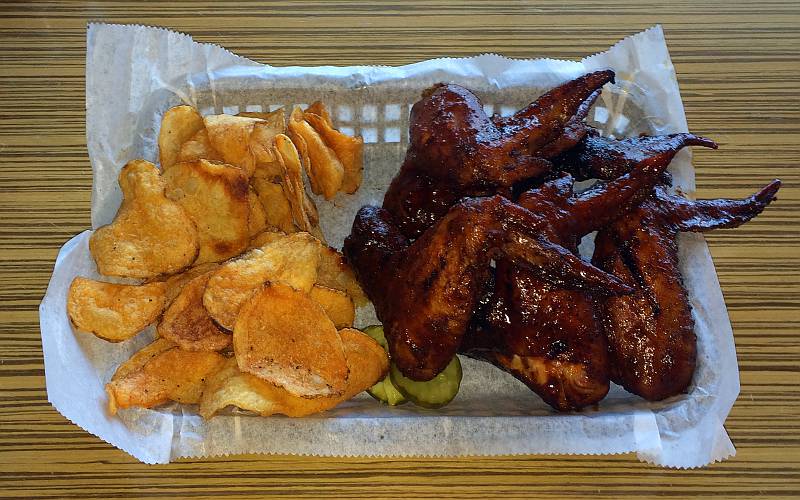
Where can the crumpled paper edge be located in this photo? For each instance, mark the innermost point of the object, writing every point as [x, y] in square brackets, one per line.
[651, 456]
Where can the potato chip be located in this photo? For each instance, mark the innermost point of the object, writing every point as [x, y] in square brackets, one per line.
[275, 120]
[266, 238]
[349, 151]
[276, 205]
[258, 216]
[150, 235]
[336, 304]
[333, 272]
[187, 323]
[141, 357]
[198, 148]
[176, 282]
[323, 168]
[230, 136]
[285, 338]
[161, 372]
[114, 312]
[178, 126]
[292, 260]
[366, 361]
[294, 188]
[318, 108]
[215, 196]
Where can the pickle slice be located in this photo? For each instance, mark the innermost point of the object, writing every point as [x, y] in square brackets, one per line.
[376, 332]
[433, 393]
[384, 391]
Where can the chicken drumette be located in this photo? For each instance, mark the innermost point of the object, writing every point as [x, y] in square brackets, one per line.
[651, 339]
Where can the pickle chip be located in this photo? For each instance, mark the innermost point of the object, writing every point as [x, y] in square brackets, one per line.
[434, 393]
[384, 391]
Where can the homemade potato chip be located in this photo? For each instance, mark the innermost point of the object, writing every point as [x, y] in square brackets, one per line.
[114, 312]
[276, 205]
[302, 206]
[336, 304]
[258, 216]
[266, 238]
[215, 196]
[198, 148]
[230, 136]
[366, 360]
[349, 151]
[187, 323]
[333, 272]
[318, 108]
[291, 259]
[176, 282]
[274, 119]
[285, 338]
[150, 235]
[164, 372]
[178, 126]
[323, 168]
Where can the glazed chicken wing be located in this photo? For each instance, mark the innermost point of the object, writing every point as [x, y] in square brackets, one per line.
[547, 335]
[456, 150]
[651, 339]
[598, 157]
[425, 292]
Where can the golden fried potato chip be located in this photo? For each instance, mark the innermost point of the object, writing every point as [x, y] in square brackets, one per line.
[303, 209]
[285, 338]
[266, 238]
[336, 304]
[276, 205]
[178, 126]
[187, 323]
[318, 108]
[231, 387]
[215, 196]
[333, 272]
[275, 119]
[150, 235]
[262, 144]
[198, 148]
[161, 372]
[230, 136]
[291, 259]
[349, 151]
[258, 216]
[114, 312]
[176, 282]
[366, 361]
[323, 168]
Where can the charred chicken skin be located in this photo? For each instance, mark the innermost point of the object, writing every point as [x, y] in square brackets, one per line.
[456, 150]
[547, 335]
[651, 339]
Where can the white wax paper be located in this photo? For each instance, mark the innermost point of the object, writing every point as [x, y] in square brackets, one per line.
[135, 73]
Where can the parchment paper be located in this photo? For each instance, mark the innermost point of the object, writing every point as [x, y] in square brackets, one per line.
[135, 73]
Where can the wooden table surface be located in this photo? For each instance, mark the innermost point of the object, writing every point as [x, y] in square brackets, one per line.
[737, 63]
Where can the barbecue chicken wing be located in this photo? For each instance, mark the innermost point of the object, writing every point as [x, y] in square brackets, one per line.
[598, 157]
[425, 292]
[651, 339]
[456, 150]
[547, 335]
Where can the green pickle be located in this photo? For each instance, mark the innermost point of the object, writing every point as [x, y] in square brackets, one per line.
[433, 393]
[384, 391]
